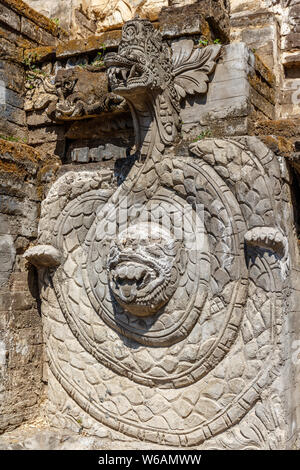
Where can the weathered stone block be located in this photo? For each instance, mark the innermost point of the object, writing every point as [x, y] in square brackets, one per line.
[18, 320]
[13, 76]
[292, 41]
[7, 256]
[5, 301]
[38, 118]
[209, 19]
[14, 99]
[10, 51]
[80, 155]
[10, 18]
[37, 34]
[262, 104]
[46, 134]
[229, 89]
[12, 114]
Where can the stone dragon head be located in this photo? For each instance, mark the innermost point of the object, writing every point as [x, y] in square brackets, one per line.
[147, 70]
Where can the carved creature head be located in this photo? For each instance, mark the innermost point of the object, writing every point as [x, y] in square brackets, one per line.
[143, 61]
[65, 82]
[152, 76]
[142, 268]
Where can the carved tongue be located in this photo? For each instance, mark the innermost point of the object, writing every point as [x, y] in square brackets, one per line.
[128, 290]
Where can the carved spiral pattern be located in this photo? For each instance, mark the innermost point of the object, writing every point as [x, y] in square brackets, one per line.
[196, 367]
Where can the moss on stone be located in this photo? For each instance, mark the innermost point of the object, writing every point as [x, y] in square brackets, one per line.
[40, 20]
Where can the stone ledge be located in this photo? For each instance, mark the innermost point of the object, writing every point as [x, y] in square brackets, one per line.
[174, 22]
[40, 20]
[10, 18]
[208, 18]
[281, 127]
[250, 17]
[17, 39]
[93, 43]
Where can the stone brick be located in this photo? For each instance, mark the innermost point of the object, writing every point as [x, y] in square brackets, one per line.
[22, 301]
[229, 89]
[262, 104]
[46, 134]
[23, 319]
[10, 51]
[7, 256]
[13, 114]
[292, 41]
[14, 99]
[80, 155]
[10, 18]
[37, 34]
[5, 301]
[13, 76]
[37, 119]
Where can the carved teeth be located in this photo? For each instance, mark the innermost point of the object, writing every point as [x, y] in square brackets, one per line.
[132, 71]
[122, 272]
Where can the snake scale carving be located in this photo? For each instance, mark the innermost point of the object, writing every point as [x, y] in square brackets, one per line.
[166, 338]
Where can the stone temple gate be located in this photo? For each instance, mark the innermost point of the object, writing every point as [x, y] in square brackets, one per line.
[149, 277]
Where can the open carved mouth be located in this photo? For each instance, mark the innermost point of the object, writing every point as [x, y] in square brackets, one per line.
[141, 270]
[138, 286]
[130, 279]
[125, 74]
[121, 77]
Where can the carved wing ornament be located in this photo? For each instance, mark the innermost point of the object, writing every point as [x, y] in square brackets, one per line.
[182, 326]
[192, 67]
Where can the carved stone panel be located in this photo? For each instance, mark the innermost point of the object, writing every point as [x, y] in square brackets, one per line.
[162, 297]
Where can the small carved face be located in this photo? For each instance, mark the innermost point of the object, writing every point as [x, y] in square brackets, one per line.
[65, 83]
[142, 269]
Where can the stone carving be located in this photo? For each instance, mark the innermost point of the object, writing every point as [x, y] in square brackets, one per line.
[83, 93]
[40, 91]
[113, 14]
[166, 335]
[143, 273]
[74, 93]
[145, 71]
[43, 256]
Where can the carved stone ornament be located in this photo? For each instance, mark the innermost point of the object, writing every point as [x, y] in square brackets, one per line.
[83, 93]
[74, 93]
[40, 91]
[164, 334]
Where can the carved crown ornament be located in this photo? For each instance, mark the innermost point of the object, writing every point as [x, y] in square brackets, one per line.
[156, 289]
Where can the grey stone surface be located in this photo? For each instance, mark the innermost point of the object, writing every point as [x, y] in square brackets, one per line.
[165, 339]
[80, 155]
[150, 340]
[229, 96]
[7, 255]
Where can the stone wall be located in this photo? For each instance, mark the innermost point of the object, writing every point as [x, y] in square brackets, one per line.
[20, 195]
[56, 97]
[20, 320]
[270, 27]
[20, 28]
